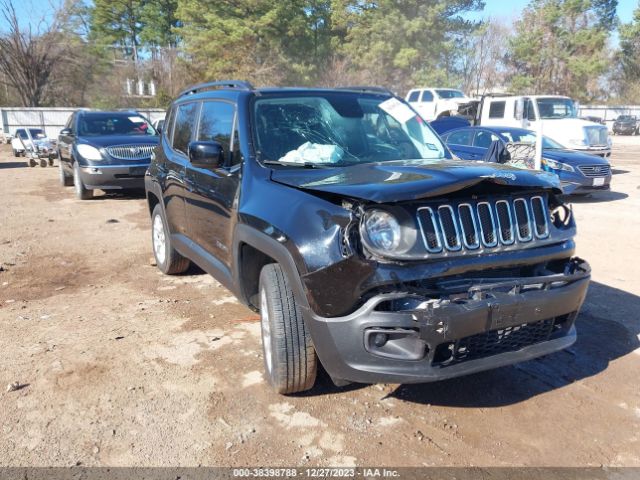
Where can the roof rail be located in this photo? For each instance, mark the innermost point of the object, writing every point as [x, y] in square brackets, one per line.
[237, 84]
[366, 88]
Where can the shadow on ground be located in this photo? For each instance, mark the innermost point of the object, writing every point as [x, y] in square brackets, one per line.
[8, 165]
[597, 197]
[589, 356]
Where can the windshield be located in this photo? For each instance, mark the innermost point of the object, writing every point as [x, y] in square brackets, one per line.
[551, 108]
[36, 133]
[341, 128]
[98, 124]
[446, 93]
[526, 136]
[625, 118]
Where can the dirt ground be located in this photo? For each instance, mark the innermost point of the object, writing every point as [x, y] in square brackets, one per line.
[123, 366]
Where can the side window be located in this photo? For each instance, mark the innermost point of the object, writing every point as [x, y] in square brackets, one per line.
[496, 110]
[167, 131]
[427, 96]
[462, 137]
[484, 139]
[22, 134]
[185, 123]
[216, 125]
[529, 112]
[414, 96]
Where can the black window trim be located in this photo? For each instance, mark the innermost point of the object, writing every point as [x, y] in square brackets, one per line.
[497, 102]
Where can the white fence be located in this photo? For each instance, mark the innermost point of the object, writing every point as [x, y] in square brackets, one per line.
[52, 120]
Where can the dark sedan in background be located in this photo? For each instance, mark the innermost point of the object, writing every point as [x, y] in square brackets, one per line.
[580, 173]
[105, 150]
[625, 125]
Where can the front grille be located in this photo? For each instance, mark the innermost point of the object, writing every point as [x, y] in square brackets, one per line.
[486, 344]
[595, 170]
[487, 224]
[131, 152]
[597, 136]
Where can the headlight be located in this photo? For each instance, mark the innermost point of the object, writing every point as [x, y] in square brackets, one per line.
[554, 165]
[385, 234]
[88, 152]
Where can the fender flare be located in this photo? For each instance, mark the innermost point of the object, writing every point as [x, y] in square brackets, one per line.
[274, 249]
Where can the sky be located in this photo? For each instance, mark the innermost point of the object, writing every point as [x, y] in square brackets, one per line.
[494, 8]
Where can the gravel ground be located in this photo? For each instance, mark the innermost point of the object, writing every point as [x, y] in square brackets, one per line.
[118, 365]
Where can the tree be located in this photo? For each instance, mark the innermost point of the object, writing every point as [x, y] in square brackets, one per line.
[628, 59]
[29, 58]
[119, 23]
[560, 47]
[404, 43]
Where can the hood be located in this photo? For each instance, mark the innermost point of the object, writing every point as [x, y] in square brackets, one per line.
[113, 140]
[409, 180]
[571, 157]
[568, 123]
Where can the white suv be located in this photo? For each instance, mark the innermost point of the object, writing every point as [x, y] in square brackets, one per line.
[432, 103]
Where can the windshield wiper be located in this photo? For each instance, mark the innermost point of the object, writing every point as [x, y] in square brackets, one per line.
[294, 164]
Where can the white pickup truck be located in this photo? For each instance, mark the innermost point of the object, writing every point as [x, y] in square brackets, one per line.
[433, 103]
[559, 117]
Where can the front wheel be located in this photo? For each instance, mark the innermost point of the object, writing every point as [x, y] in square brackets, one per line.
[168, 260]
[32, 162]
[43, 162]
[289, 356]
[82, 193]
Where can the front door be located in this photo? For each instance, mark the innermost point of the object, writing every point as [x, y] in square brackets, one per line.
[213, 192]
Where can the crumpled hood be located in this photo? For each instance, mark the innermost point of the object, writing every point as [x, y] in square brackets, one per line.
[410, 180]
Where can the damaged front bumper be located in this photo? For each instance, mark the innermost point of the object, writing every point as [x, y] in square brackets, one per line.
[408, 338]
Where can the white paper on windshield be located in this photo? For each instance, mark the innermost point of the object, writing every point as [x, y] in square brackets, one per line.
[137, 119]
[314, 153]
[398, 110]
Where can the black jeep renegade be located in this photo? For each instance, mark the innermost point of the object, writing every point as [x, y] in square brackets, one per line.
[343, 219]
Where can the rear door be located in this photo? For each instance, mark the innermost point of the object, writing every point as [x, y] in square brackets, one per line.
[184, 118]
[482, 141]
[213, 192]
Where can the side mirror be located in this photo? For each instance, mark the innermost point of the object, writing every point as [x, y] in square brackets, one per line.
[206, 154]
[66, 132]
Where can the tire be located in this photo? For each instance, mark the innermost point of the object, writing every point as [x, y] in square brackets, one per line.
[15, 153]
[51, 161]
[168, 260]
[82, 193]
[43, 162]
[290, 360]
[32, 162]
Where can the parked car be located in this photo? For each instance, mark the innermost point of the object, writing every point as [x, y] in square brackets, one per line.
[579, 172]
[34, 144]
[343, 219]
[433, 103]
[105, 150]
[625, 125]
[558, 115]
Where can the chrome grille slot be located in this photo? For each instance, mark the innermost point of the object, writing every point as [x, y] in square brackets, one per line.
[448, 223]
[469, 226]
[429, 229]
[523, 220]
[486, 224]
[540, 220]
[505, 223]
[131, 152]
[595, 170]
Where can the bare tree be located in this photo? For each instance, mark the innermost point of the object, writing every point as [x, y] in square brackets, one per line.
[27, 57]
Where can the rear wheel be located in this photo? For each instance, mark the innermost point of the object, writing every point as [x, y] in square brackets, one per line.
[289, 357]
[43, 162]
[82, 193]
[32, 162]
[168, 260]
